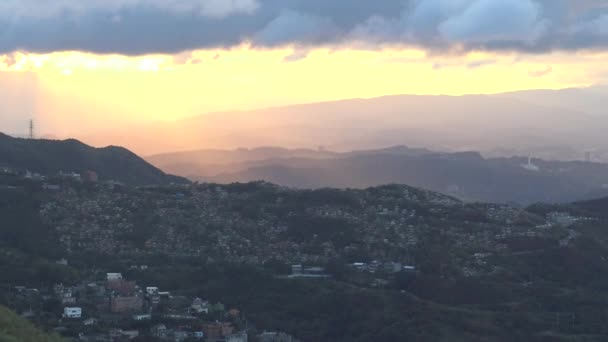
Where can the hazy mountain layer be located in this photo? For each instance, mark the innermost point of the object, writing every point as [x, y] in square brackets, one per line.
[466, 175]
[548, 124]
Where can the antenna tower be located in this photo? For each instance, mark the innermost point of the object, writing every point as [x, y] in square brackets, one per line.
[31, 135]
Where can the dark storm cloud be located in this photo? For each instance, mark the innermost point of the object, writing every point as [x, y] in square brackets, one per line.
[149, 26]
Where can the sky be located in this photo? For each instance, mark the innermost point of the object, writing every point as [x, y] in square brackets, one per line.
[87, 66]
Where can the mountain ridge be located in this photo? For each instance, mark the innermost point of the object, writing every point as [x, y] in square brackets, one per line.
[70, 155]
[509, 121]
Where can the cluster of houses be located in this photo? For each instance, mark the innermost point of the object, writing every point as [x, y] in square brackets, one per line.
[117, 309]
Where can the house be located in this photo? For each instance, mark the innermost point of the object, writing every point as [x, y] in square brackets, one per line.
[154, 299]
[373, 266]
[142, 317]
[296, 269]
[115, 333]
[159, 331]
[72, 312]
[89, 321]
[217, 330]
[238, 337]
[409, 268]
[51, 187]
[267, 336]
[62, 261]
[359, 266]
[200, 306]
[151, 290]
[393, 267]
[67, 300]
[113, 276]
[180, 336]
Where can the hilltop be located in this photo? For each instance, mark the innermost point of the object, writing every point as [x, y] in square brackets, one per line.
[53, 156]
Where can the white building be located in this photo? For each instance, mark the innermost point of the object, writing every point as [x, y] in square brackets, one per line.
[151, 290]
[113, 276]
[200, 306]
[142, 317]
[72, 312]
[238, 337]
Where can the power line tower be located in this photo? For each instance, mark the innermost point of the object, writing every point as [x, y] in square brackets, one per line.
[31, 135]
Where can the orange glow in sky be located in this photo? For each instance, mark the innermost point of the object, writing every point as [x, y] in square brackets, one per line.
[74, 88]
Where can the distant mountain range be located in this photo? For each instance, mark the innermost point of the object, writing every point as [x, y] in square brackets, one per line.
[466, 175]
[548, 124]
[52, 156]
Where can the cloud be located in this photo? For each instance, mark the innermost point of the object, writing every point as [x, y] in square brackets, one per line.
[135, 27]
[44, 9]
[469, 65]
[295, 56]
[491, 20]
[481, 63]
[540, 73]
[291, 26]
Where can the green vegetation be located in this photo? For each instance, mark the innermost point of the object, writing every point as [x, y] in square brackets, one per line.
[16, 329]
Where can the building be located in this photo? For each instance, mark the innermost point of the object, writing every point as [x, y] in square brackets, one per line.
[268, 336]
[72, 312]
[151, 290]
[393, 267]
[68, 300]
[122, 286]
[89, 321]
[296, 269]
[217, 330]
[51, 187]
[62, 261]
[113, 276]
[180, 335]
[159, 331]
[122, 304]
[234, 313]
[199, 306]
[142, 317]
[408, 268]
[359, 266]
[237, 337]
